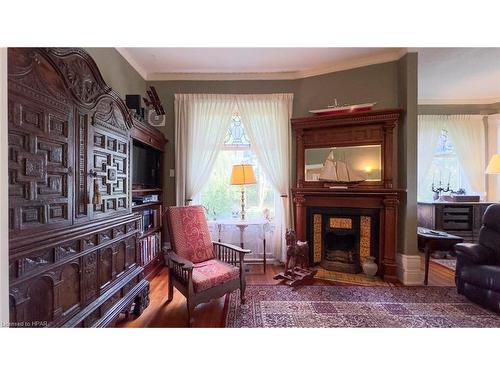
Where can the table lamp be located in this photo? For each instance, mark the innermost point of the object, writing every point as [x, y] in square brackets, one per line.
[242, 174]
[494, 165]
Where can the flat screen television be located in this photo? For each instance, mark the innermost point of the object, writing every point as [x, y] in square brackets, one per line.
[146, 166]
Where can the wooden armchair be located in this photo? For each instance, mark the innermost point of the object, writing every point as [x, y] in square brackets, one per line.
[199, 268]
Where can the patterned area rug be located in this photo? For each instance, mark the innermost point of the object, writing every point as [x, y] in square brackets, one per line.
[348, 278]
[355, 306]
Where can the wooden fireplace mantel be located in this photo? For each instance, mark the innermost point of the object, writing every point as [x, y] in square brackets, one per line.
[385, 200]
[352, 129]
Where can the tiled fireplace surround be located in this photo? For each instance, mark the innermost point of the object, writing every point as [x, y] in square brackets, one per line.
[341, 238]
[379, 204]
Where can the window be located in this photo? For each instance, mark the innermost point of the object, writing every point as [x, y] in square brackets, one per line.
[222, 200]
[445, 168]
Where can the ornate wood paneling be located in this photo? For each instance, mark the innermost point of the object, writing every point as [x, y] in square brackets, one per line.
[371, 127]
[96, 262]
[69, 255]
[40, 144]
[38, 308]
[69, 288]
[110, 161]
[353, 129]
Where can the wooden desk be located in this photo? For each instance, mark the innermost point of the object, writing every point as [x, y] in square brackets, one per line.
[430, 240]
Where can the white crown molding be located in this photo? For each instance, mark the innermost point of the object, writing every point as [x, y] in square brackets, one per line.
[221, 76]
[484, 101]
[355, 63]
[235, 76]
[138, 68]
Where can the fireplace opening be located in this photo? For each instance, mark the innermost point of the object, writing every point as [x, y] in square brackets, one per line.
[340, 252]
[340, 241]
[342, 238]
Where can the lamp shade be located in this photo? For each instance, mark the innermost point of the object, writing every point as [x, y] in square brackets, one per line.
[494, 165]
[242, 174]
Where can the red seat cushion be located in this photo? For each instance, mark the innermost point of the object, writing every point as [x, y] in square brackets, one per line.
[212, 273]
[189, 233]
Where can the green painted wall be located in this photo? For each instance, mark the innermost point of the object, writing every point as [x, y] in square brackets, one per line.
[375, 83]
[391, 85]
[407, 153]
[117, 72]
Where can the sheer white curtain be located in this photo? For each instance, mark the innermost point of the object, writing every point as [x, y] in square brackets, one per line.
[429, 131]
[468, 137]
[266, 119]
[201, 122]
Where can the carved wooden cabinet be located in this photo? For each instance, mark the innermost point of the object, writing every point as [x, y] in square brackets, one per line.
[72, 234]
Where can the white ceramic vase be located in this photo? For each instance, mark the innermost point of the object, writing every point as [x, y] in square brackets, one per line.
[370, 267]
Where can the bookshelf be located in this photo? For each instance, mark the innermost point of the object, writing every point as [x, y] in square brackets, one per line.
[149, 140]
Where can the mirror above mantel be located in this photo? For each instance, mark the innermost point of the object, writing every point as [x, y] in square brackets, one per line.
[364, 161]
[352, 150]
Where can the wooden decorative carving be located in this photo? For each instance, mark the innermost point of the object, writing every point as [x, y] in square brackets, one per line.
[369, 128]
[71, 262]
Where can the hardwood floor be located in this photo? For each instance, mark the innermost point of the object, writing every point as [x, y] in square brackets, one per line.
[210, 315]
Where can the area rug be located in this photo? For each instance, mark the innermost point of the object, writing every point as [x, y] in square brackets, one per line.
[325, 306]
[447, 263]
[348, 278]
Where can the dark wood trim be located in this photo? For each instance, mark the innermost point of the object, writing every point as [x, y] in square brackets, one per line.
[148, 135]
[155, 139]
[355, 129]
[371, 127]
[73, 256]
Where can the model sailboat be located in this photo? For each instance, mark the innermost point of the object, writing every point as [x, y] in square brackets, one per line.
[338, 171]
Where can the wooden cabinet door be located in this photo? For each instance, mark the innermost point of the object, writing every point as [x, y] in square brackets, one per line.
[109, 155]
[40, 146]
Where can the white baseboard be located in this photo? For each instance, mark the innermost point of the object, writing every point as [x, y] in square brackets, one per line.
[408, 269]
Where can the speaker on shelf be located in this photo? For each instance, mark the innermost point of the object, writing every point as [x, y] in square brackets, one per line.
[133, 101]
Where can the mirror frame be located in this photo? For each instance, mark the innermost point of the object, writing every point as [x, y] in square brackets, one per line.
[329, 148]
[351, 129]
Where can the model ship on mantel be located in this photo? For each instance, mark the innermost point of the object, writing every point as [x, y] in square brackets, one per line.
[338, 172]
[336, 108]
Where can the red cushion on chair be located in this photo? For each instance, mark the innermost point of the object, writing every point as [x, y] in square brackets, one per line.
[212, 273]
[189, 233]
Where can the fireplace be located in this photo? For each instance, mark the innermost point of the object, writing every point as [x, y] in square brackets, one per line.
[342, 238]
[366, 140]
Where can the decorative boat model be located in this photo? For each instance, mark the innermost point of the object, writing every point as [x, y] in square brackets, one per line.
[344, 108]
[338, 172]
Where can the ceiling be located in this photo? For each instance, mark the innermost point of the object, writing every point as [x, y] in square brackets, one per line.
[250, 63]
[458, 75]
[445, 75]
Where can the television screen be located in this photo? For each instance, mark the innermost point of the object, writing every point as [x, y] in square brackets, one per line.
[146, 166]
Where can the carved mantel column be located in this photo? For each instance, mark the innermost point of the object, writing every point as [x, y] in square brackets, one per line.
[300, 216]
[300, 157]
[388, 144]
[388, 251]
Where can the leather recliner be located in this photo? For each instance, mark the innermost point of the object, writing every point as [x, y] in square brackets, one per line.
[477, 274]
